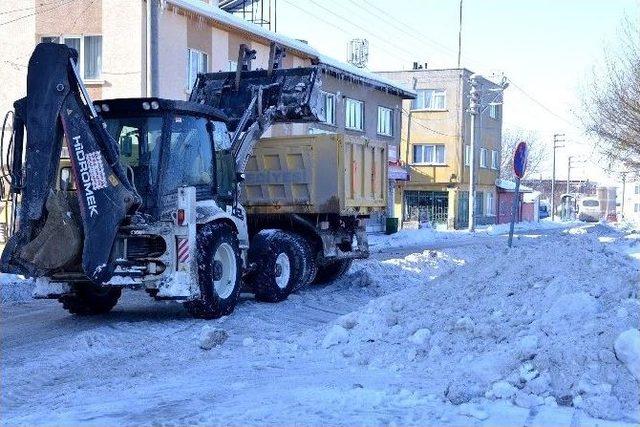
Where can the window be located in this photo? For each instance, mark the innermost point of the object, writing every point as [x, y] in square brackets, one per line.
[430, 99]
[429, 154]
[637, 189]
[191, 159]
[495, 164]
[490, 206]
[467, 155]
[197, 62]
[483, 158]
[139, 139]
[385, 121]
[89, 50]
[494, 111]
[354, 114]
[329, 102]
[636, 207]
[479, 202]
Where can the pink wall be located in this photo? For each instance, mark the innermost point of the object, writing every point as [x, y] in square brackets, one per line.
[505, 202]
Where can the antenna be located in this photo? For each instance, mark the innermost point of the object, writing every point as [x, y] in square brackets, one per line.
[358, 52]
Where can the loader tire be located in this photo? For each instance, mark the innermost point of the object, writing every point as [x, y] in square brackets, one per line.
[283, 264]
[332, 270]
[219, 272]
[89, 299]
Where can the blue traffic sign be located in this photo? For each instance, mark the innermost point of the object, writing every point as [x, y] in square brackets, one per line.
[520, 159]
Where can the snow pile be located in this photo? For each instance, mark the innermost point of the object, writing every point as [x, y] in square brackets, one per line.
[507, 325]
[15, 289]
[627, 348]
[408, 238]
[380, 278]
[545, 224]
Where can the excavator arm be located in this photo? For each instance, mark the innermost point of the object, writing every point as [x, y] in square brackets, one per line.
[57, 110]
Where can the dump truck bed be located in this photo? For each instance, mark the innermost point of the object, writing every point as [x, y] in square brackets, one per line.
[316, 174]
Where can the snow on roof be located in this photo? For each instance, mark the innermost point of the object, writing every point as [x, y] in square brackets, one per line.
[218, 15]
[507, 185]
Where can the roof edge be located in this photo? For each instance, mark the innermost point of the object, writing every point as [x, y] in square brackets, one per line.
[218, 15]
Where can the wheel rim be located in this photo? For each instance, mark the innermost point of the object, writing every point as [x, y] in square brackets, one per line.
[282, 270]
[227, 259]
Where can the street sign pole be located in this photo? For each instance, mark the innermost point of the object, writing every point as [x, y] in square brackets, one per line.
[514, 209]
[519, 168]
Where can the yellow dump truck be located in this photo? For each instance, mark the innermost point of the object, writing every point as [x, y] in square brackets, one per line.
[323, 186]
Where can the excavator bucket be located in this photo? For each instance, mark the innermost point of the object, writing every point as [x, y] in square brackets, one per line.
[59, 228]
[293, 94]
[254, 100]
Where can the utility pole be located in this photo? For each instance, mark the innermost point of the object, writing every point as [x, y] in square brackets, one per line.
[153, 82]
[569, 175]
[624, 185]
[572, 164]
[558, 137]
[474, 107]
[460, 37]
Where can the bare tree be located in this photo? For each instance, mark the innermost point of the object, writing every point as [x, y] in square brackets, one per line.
[611, 103]
[537, 151]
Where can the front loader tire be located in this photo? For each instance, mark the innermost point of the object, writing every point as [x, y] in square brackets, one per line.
[219, 272]
[283, 264]
[89, 299]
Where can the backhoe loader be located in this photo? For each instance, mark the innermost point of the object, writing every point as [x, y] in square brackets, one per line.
[144, 193]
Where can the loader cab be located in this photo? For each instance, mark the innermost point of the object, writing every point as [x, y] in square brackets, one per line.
[166, 144]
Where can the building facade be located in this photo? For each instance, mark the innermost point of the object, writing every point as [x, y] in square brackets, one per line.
[631, 201]
[436, 148]
[194, 36]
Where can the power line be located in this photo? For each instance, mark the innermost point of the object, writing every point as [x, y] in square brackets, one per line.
[541, 105]
[418, 122]
[334, 25]
[8, 12]
[401, 26]
[60, 4]
[347, 20]
[82, 12]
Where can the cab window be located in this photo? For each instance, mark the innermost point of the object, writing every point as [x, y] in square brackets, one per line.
[190, 158]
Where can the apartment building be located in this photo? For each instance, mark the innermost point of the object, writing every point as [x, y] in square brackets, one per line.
[194, 36]
[631, 204]
[436, 148]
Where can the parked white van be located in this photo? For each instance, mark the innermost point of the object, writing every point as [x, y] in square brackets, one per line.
[589, 209]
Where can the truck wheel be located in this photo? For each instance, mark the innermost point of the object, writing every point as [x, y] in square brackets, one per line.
[219, 272]
[89, 299]
[283, 264]
[332, 270]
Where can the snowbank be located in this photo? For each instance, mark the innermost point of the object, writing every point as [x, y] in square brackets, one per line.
[425, 236]
[15, 289]
[535, 325]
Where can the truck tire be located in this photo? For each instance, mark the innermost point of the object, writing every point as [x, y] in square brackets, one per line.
[219, 272]
[331, 270]
[283, 264]
[89, 299]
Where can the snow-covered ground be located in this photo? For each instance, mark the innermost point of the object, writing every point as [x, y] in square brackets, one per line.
[458, 331]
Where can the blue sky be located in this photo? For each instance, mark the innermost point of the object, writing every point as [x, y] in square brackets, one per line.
[548, 48]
